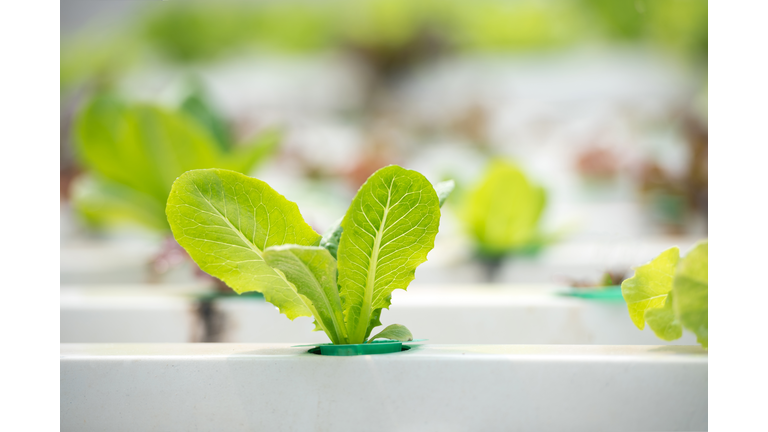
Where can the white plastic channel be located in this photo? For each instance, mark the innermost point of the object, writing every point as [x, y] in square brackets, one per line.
[243, 387]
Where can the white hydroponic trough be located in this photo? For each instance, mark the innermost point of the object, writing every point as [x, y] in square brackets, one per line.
[248, 387]
[468, 314]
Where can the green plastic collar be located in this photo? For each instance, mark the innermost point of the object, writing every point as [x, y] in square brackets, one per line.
[375, 347]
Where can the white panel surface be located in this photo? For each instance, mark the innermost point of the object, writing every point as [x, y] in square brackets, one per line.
[243, 387]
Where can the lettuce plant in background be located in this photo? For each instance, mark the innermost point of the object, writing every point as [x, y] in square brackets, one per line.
[502, 214]
[671, 293]
[133, 153]
[240, 230]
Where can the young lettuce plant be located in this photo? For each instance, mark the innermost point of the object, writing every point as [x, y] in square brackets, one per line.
[502, 213]
[671, 293]
[134, 152]
[240, 230]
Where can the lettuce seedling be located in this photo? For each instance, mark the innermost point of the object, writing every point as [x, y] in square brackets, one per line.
[134, 152]
[671, 293]
[502, 212]
[240, 230]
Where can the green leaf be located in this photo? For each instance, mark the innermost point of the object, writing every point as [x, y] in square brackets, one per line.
[103, 203]
[388, 230]
[246, 157]
[312, 271]
[197, 106]
[649, 287]
[502, 213]
[225, 220]
[394, 332]
[142, 147]
[663, 321]
[444, 189]
[691, 291]
[376, 317]
[332, 237]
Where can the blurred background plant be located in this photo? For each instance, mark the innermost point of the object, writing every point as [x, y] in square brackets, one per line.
[602, 102]
[132, 152]
[502, 214]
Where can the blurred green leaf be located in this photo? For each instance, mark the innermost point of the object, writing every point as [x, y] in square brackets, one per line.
[649, 287]
[502, 212]
[252, 153]
[197, 105]
[105, 204]
[97, 61]
[622, 20]
[492, 25]
[681, 26]
[198, 32]
[663, 322]
[671, 293]
[691, 290]
[144, 148]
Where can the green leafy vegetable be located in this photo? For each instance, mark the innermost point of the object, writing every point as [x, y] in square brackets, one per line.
[135, 152]
[253, 152]
[240, 230]
[101, 202]
[670, 293]
[395, 332]
[198, 106]
[226, 220]
[691, 290]
[388, 231]
[312, 270]
[663, 322]
[332, 235]
[649, 287]
[502, 212]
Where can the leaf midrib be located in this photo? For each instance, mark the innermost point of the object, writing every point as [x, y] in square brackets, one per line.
[365, 311]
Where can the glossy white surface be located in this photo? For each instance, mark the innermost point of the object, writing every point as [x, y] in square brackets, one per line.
[234, 387]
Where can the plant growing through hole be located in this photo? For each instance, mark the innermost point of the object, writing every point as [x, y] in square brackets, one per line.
[671, 293]
[502, 213]
[240, 230]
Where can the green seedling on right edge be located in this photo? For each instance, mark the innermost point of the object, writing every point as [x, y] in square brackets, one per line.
[671, 293]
